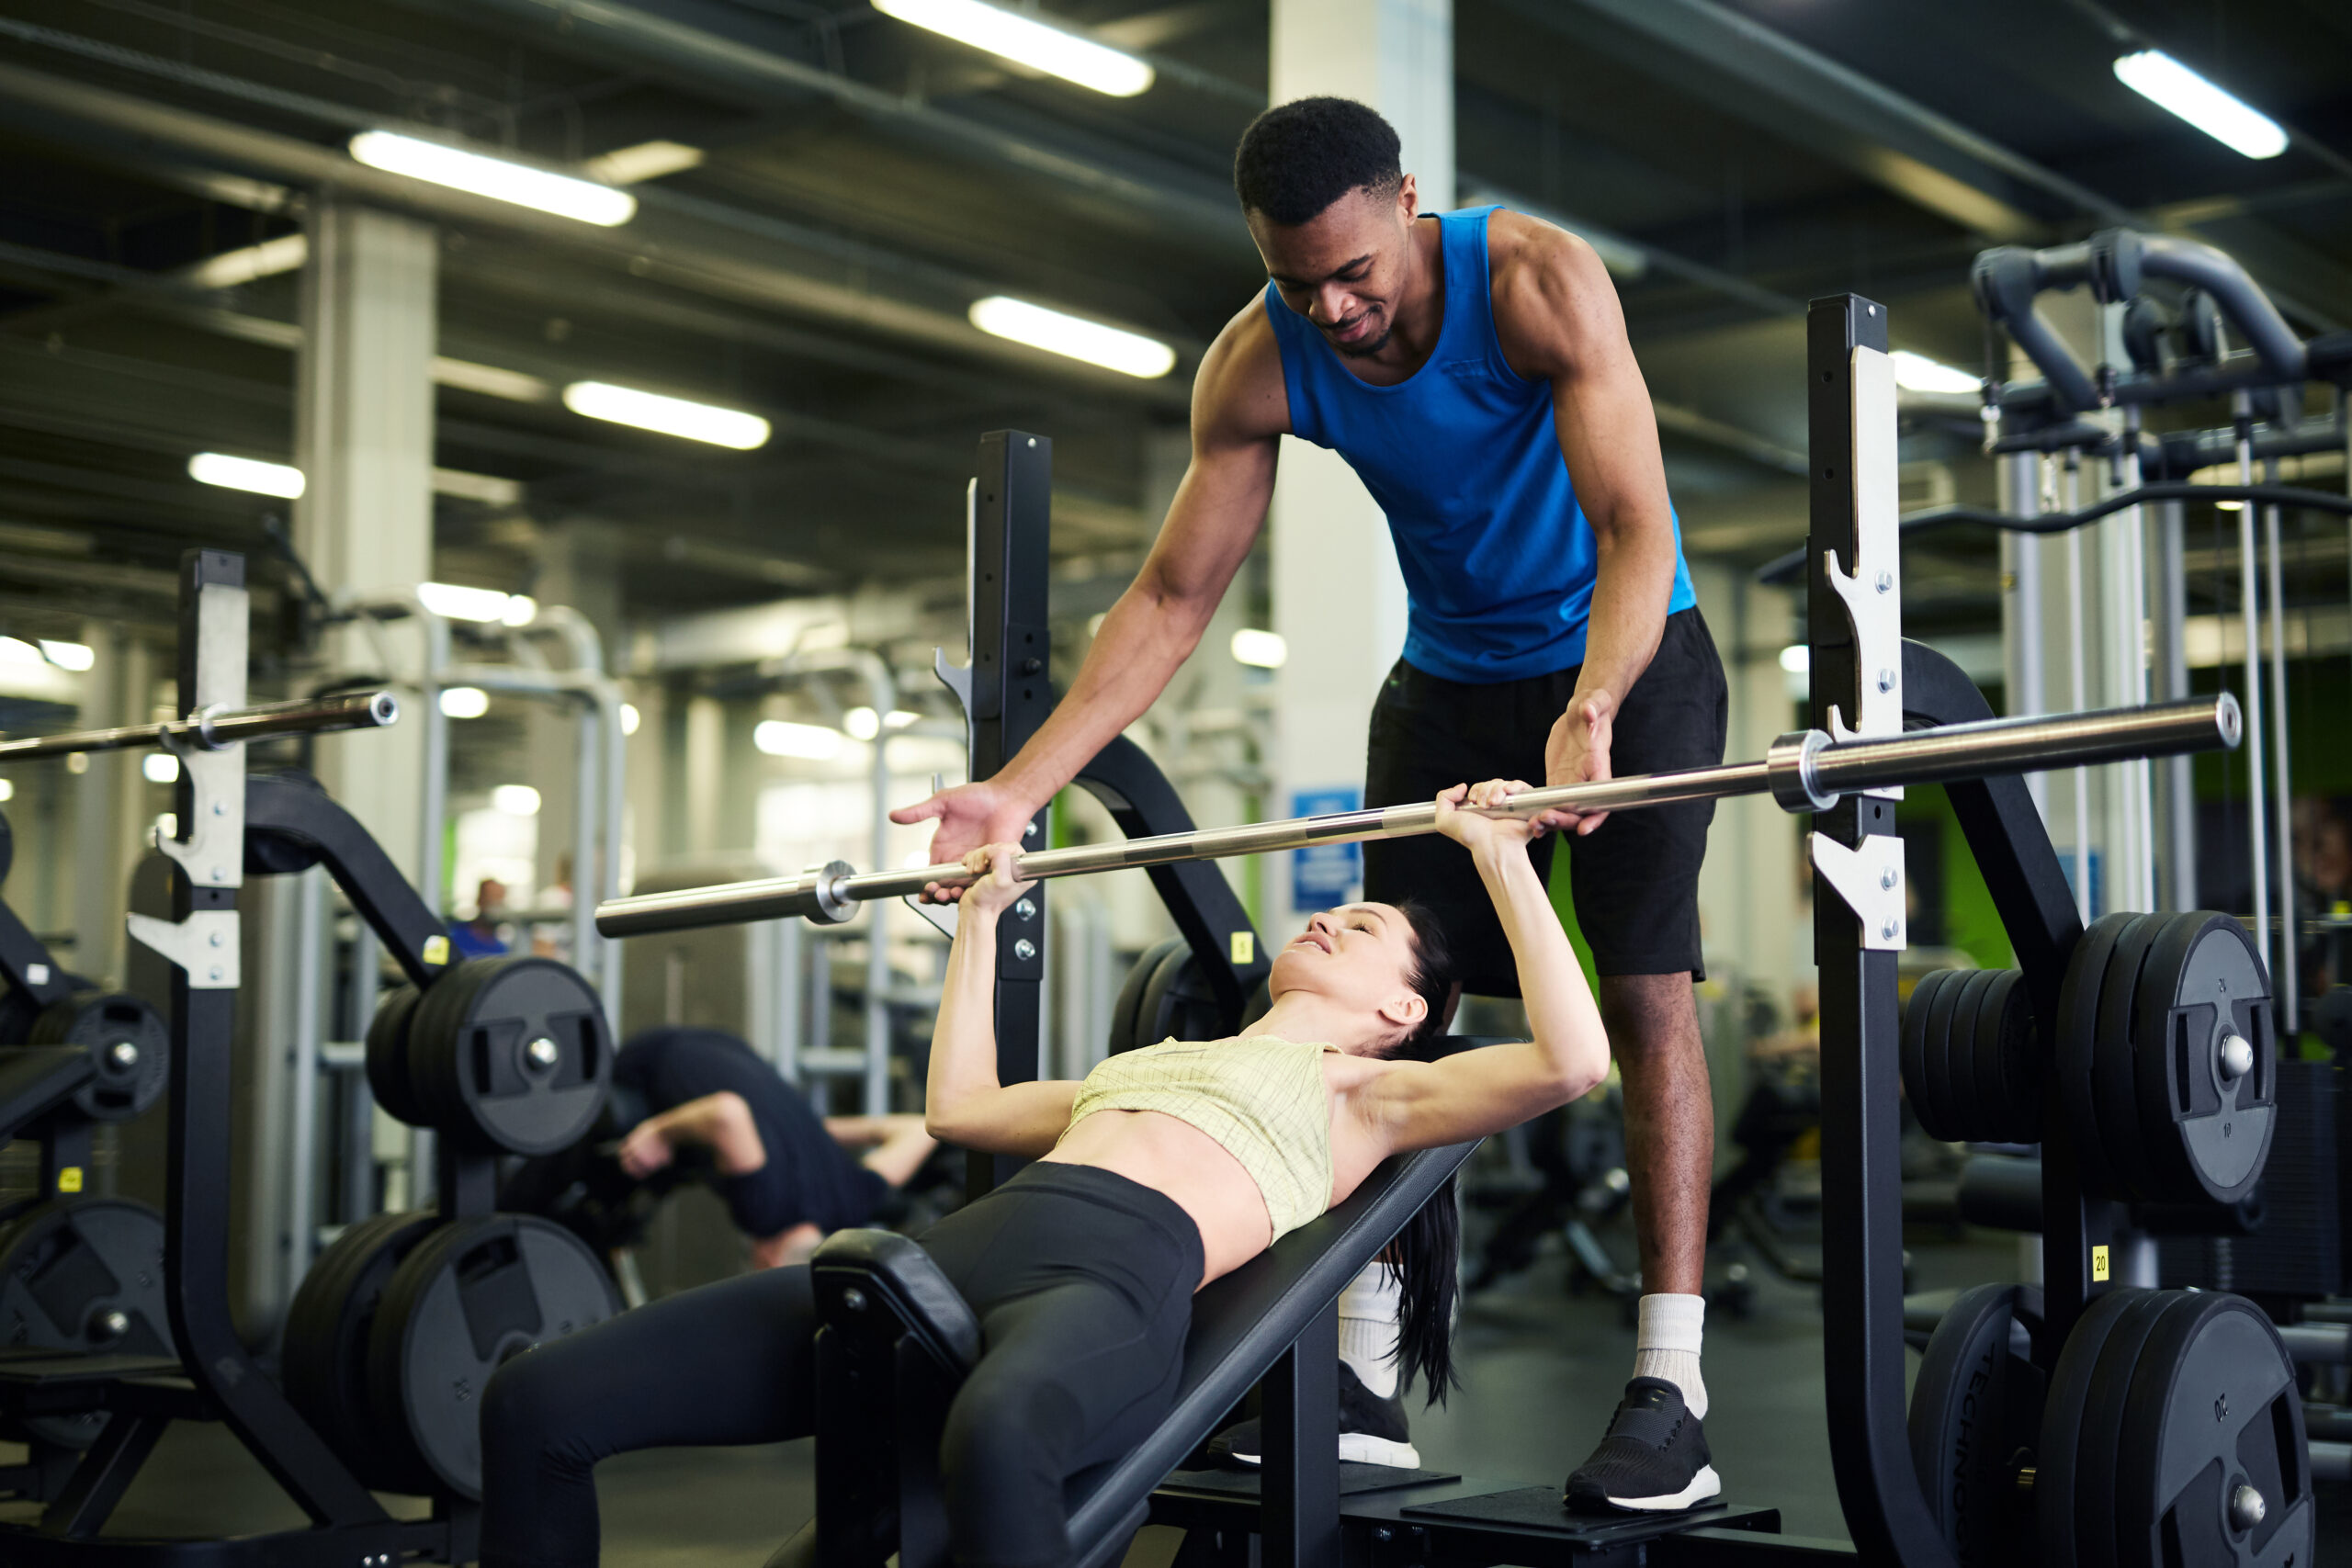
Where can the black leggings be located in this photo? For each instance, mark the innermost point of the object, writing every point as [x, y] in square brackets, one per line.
[1083, 1283]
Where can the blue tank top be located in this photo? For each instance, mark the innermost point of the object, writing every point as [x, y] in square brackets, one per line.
[1462, 457]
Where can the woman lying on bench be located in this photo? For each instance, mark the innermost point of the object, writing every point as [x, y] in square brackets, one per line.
[1166, 1169]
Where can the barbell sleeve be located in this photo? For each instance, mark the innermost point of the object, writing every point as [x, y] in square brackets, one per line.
[212, 731]
[1804, 772]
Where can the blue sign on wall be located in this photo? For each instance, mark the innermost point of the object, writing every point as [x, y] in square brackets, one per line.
[1325, 875]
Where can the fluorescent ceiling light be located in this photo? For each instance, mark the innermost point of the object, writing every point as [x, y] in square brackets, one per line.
[898, 718]
[7, 790]
[515, 800]
[17, 650]
[161, 767]
[671, 416]
[1113, 348]
[498, 178]
[521, 611]
[487, 488]
[863, 724]
[1027, 41]
[1263, 649]
[1797, 658]
[75, 656]
[490, 380]
[462, 603]
[2229, 507]
[809, 742]
[631, 719]
[288, 252]
[464, 702]
[646, 161]
[245, 473]
[2228, 119]
[1921, 374]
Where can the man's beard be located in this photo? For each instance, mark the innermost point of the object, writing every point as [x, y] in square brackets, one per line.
[1366, 349]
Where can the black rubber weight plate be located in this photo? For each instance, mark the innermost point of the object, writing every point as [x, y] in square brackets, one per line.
[1959, 1046]
[2007, 1086]
[440, 1012]
[2061, 1428]
[325, 1352]
[2102, 1431]
[1973, 1405]
[1932, 1052]
[2072, 1043]
[388, 1075]
[67, 1268]
[2114, 1070]
[1914, 1052]
[2214, 1409]
[2207, 1136]
[1130, 1002]
[525, 1068]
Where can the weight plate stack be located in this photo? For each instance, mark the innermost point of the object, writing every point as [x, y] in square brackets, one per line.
[1179, 1003]
[1917, 1087]
[83, 1274]
[2074, 1461]
[511, 1055]
[1976, 1402]
[2007, 1058]
[2072, 1036]
[1130, 1000]
[19, 1013]
[2114, 1070]
[325, 1353]
[1956, 1060]
[388, 1079]
[471, 1296]
[2211, 1463]
[2203, 1042]
[126, 1038]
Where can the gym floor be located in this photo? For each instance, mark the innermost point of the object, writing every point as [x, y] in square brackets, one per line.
[1543, 1371]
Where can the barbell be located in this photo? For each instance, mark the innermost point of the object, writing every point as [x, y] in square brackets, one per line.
[214, 729]
[1804, 771]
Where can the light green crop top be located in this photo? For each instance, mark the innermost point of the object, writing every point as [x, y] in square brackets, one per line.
[1261, 1098]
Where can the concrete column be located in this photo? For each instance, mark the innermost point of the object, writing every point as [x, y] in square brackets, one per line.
[363, 438]
[1339, 600]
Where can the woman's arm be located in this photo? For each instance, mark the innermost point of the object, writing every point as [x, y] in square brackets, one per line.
[1420, 1105]
[964, 1103]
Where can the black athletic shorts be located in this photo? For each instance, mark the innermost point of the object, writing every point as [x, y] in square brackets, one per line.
[1634, 879]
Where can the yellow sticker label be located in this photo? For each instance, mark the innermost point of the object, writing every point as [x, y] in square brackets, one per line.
[70, 1178]
[1245, 947]
[2098, 1263]
[436, 949]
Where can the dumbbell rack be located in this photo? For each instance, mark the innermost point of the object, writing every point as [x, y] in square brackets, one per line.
[225, 816]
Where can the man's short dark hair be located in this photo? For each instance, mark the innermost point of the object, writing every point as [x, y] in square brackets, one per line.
[1299, 158]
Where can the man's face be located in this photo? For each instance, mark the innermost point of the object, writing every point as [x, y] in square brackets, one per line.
[1344, 269]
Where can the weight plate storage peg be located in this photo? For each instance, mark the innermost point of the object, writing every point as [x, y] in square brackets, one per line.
[83, 1274]
[511, 1055]
[388, 1048]
[126, 1038]
[2203, 1039]
[1975, 1404]
[325, 1358]
[473, 1296]
[2213, 1469]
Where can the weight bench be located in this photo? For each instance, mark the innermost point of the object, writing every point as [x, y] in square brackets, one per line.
[896, 1341]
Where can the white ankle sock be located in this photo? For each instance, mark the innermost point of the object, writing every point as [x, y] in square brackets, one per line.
[1666, 1346]
[1368, 1313]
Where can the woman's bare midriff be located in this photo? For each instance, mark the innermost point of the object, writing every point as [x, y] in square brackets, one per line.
[1174, 1157]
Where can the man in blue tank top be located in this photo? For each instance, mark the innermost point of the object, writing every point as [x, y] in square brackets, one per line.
[1473, 368]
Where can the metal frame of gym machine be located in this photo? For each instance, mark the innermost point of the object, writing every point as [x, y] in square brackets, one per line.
[227, 815]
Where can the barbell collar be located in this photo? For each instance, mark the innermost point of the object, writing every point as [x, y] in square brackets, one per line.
[1803, 771]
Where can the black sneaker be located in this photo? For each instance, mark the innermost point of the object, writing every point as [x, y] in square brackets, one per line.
[1655, 1457]
[1372, 1431]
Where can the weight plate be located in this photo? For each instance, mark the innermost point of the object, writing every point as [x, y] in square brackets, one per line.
[2056, 1453]
[471, 1296]
[19, 1012]
[1912, 1050]
[2102, 1429]
[126, 1038]
[83, 1274]
[1974, 1405]
[2072, 1040]
[2207, 1134]
[1933, 1053]
[1958, 1054]
[511, 1055]
[2113, 1070]
[324, 1356]
[2213, 1424]
[1178, 1003]
[1130, 1002]
[2009, 1077]
[388, 1047]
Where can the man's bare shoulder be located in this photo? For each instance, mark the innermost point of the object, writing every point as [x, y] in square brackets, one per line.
[1551, 294]
[1239, 393]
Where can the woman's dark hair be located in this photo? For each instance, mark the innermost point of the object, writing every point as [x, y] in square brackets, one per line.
[1299, 158]
[1426, 1257]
